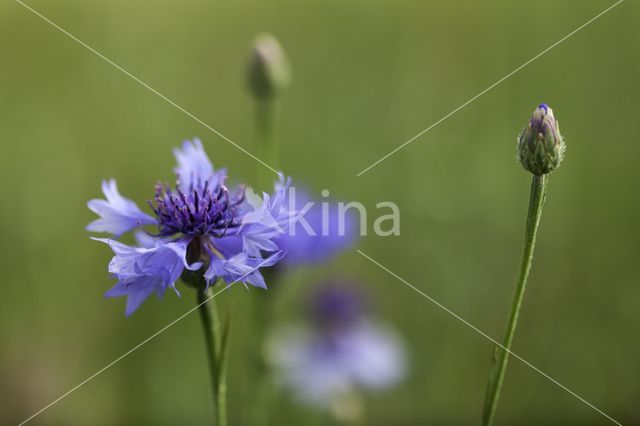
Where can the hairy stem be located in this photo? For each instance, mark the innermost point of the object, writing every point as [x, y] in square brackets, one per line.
[500, 355]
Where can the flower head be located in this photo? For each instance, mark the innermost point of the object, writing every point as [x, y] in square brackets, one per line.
[342, 353]
[540, 145]
[204, 232]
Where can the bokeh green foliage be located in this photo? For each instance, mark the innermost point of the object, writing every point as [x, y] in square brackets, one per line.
[368, 75]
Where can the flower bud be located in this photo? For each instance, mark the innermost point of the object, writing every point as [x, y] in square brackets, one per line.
[540, 145]
[268, 72]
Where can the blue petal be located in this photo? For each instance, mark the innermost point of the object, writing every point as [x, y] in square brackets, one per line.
[258, 240]
[373, 356]
[144, 240]
[140, 288]
[120, 289]
[137, 289]
[261, 227]
[142, 271]
[215, 270]
[117, 214]
[194, 166]
[240, 267]
[228, 246]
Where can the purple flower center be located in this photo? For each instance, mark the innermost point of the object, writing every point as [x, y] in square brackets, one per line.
[337, 306]
[199, 211]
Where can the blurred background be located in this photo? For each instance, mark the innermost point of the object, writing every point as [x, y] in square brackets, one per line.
[367, 75]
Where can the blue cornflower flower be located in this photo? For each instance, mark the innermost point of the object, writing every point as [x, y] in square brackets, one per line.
[343, 351]
[204, 230]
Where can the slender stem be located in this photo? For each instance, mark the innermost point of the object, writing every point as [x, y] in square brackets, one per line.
[500, 355]
[260, 379]
[215, 345]
[266, 118]
[222, 367]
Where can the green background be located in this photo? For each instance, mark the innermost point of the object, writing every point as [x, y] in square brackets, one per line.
[367, 75]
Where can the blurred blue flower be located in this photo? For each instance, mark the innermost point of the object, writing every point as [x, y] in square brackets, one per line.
[336, 305]
[201, 226]
[316, 235]
[342, 353]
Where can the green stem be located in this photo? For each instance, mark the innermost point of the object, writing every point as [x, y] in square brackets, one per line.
[266, 117]
[268, 147]
[215, 342]
[260, 379]
[500, 355]
[222, 377]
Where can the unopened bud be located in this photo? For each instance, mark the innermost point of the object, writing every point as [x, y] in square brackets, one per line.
[269, 71]
[540, 145]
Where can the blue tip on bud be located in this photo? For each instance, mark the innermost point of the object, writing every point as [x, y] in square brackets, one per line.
[268, 71]
[540, 145]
